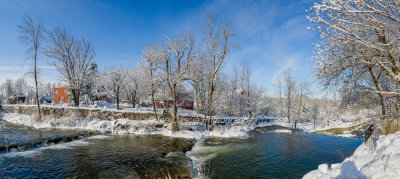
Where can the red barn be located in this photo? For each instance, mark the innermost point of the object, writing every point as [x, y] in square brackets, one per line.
[61, 95]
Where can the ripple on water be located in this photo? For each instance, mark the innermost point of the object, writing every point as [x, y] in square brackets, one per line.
[119, 156]
[269, 154]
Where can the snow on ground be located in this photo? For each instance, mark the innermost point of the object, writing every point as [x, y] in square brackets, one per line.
[187, 129]
[283, 131]
[347, 135]
[239, 128]
[382, 161]
[309, 127]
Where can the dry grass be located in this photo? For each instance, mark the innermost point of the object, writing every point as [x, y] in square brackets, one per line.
[390, 126]
[340, 130]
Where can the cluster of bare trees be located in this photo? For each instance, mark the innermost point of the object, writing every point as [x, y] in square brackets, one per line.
[166, 72]
[239, 95]
[294, 99]
[72, 57]
[359, 50]
[20, 86]
[175, 66]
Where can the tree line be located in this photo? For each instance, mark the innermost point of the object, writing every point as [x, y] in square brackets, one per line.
[167, 71]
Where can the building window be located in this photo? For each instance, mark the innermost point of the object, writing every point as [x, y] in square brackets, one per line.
[56, 92]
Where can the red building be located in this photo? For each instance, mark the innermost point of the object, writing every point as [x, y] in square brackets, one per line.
[61, 95]
[169, 103]
[16, 99]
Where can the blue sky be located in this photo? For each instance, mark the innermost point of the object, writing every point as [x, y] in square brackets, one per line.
[272, 34]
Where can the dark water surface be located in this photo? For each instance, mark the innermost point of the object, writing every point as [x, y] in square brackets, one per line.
[265, 154]
[268, 154]
[20, 138]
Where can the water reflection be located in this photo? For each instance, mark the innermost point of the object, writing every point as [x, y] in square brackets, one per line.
[267, 154]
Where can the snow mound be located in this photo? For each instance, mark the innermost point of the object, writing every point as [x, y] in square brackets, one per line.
[283, 131]
[383, 161]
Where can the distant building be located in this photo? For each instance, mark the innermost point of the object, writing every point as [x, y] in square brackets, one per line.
[16, 99]
[101, 96]
[184, 101]
[61, 95]
[45, 100]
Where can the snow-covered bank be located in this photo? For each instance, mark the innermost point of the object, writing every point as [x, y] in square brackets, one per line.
[283, 131]
[239, 127]
[383, 161]
[127, 126]
[309, 127]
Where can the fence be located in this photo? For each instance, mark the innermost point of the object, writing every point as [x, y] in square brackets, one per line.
[371, 136]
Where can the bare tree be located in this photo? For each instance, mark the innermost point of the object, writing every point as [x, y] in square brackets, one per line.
[290, 88]
[32, 35]
[315, 112]
[176, 62]
[151, 59]
[199, 82]
[218, 47]
[303, 92]
[20, 86]
[113, 81]
[2, 93]
[72, 58]
[278, 81]
[132, 86]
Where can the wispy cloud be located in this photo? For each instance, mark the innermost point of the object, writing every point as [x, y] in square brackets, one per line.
[289, 63]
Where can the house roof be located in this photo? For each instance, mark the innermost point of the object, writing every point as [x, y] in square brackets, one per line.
[46, 97]
[61, 87]
[20, 96]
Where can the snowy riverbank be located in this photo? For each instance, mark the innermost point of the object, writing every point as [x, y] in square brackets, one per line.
[126, 126]
[382, 161]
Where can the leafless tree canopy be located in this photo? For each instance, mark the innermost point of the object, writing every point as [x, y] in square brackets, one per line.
[72, 58]
[31, 34]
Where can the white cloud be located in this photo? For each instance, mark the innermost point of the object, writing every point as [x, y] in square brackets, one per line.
[46, 73]
[289, 63]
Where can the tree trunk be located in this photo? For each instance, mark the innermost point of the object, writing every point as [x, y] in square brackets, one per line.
[288, 109]
[314, 124]
[76, 94]
[133, 103]
[36, 86]
[209, 110]
[117, 101]
[175, 127]
[152, 97]
[378, 87]
[299, 111]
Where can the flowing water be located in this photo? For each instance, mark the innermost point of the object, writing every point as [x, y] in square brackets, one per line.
[100, 156]
[266, 153]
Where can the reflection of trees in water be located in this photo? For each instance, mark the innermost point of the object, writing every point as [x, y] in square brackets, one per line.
[297, 142]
